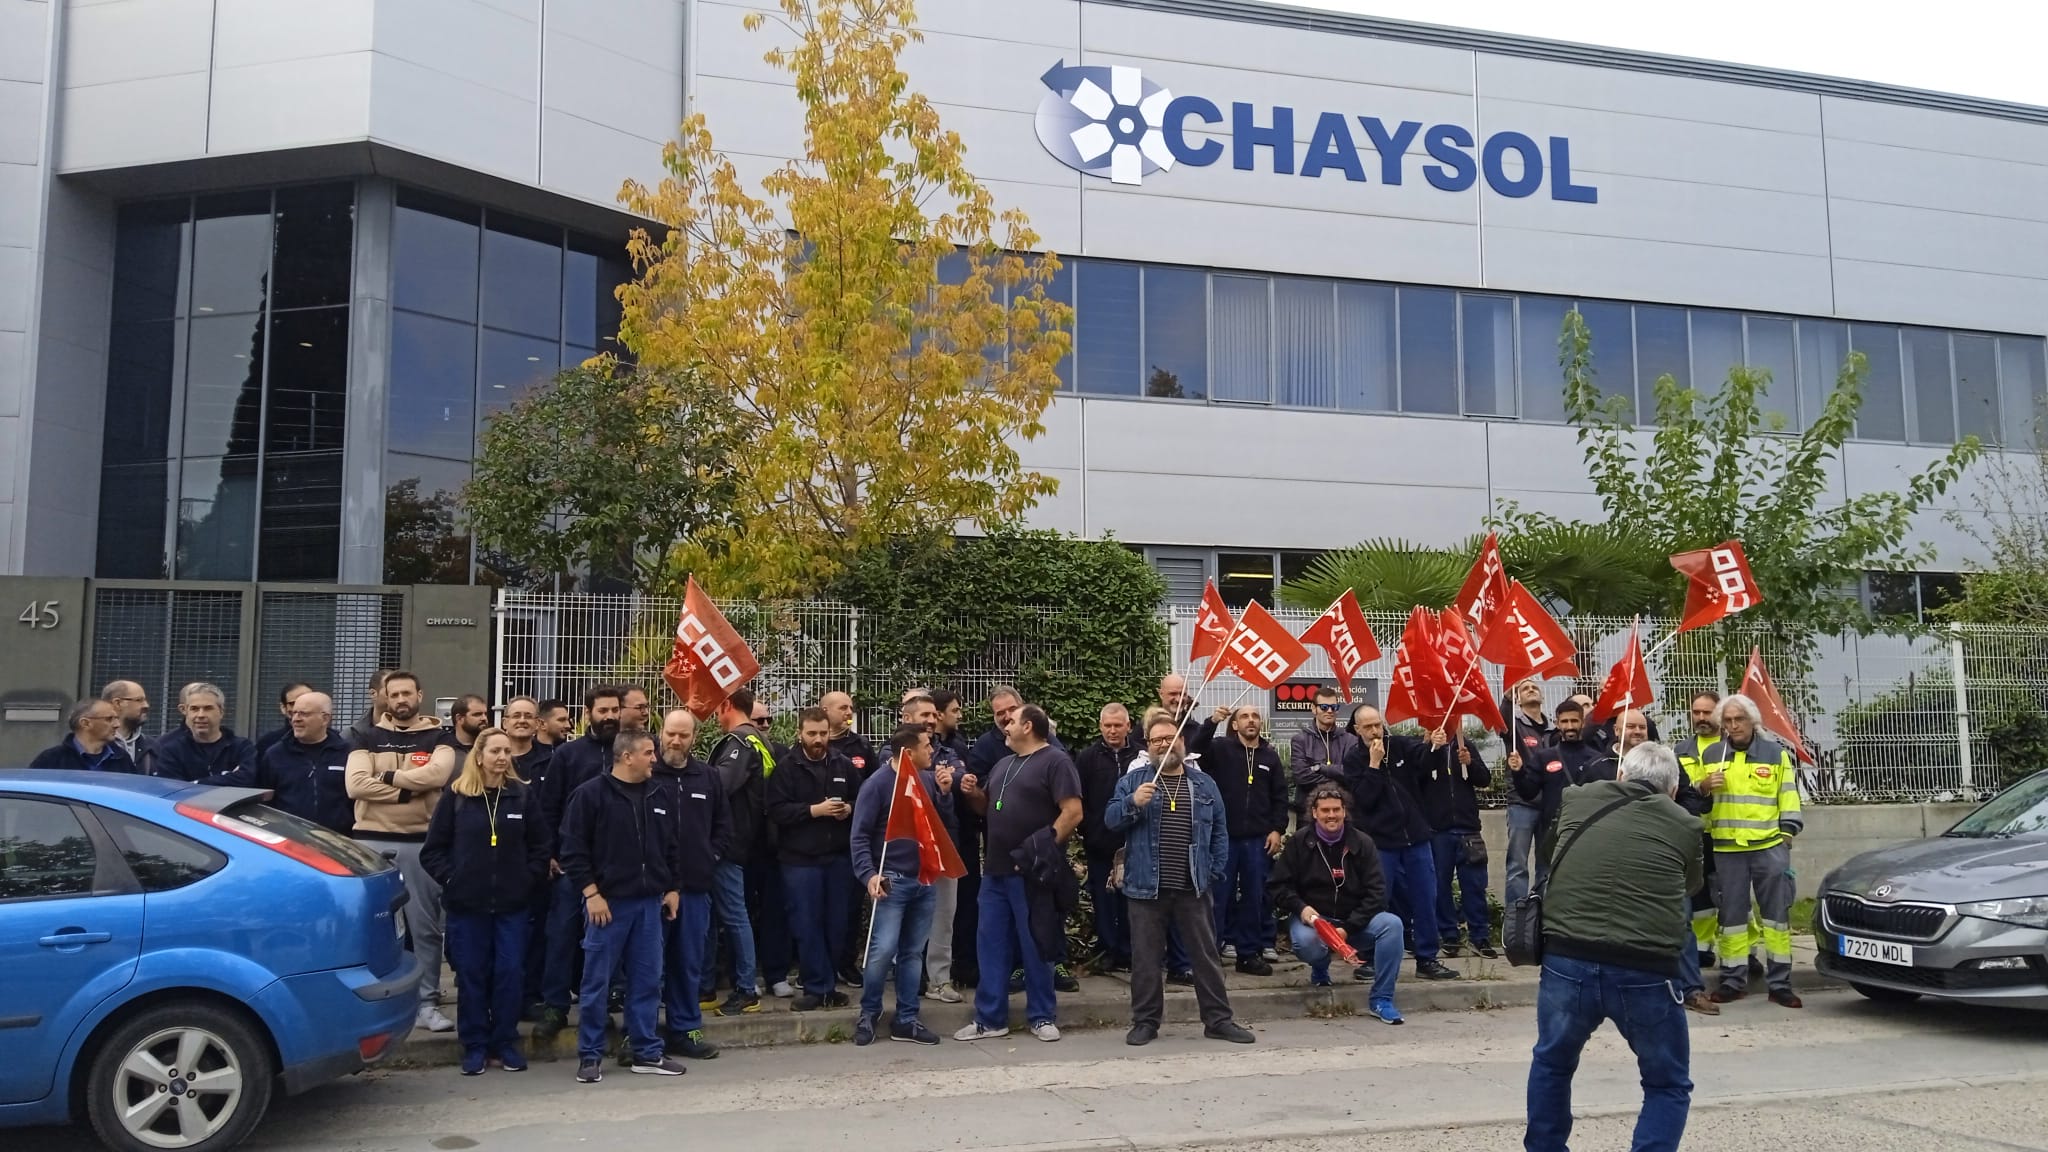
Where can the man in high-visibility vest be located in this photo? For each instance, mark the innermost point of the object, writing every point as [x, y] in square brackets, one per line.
[1692, 757]
[1755, 814]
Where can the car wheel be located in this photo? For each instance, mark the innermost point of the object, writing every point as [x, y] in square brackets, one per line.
[1885, 995]
[180, 1077]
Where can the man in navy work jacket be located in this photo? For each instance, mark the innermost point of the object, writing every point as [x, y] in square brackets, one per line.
[574, 764]
[204, 751]
[704, 838]
[91, 746]
[307, 771]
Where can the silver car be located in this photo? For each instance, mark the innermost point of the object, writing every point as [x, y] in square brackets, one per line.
[1963, 916]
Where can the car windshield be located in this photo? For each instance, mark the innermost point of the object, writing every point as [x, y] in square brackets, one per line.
[2021, 810]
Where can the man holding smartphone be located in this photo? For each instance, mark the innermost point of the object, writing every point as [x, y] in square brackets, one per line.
[888, 869]
[811, 800]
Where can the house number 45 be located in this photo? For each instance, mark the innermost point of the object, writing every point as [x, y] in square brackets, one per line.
[41, 614]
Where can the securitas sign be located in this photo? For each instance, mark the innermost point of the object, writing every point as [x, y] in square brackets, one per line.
[1112, 122]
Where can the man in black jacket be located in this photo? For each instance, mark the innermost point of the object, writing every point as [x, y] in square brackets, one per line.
[1529, 731]
[91, 746]
[622, 851]
[573, 765]
[1330, 869]
[704, 837]
[307, 771]
[1382, 772]
[204, 750]
[810, 801]
[1247, 768]
[290, 693]
[1572, 761]
[1101, 765]
[846, 739]
[1450, 800]
[131, 704]
[754, 914]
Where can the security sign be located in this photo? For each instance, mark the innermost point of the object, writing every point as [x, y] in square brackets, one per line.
[1298, 695]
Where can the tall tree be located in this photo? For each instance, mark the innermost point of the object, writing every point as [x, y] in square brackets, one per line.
[884, 330]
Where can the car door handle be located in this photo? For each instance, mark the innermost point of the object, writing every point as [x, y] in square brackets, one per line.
[74, 938]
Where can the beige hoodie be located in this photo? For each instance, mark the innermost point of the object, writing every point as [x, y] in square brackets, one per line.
[396, 775]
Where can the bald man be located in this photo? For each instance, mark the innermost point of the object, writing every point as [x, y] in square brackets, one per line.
[307, 770]
[1173, 696]
[704, 828]
[846, 741]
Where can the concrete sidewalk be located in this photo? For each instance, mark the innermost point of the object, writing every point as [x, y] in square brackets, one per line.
[1105, 1002]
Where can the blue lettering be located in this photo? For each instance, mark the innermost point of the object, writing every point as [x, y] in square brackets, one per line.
[1246, 135]
[1454, 170]
[1497, 146]
[1330, 146]
[1175, 129]
[1561, 186]
[1391, 146]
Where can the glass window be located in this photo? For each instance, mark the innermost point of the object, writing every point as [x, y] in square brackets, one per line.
[1823, 349]
[522, 276]
[1977, 387]
[1542, 319]
[1487, 330]
[231, 253]
[44, 851]
[1106, 328]
[434, 256]
[1773, 349]
[1366, 362]
[141, 364]
[1614, 357]
[433, 386]
[1883, 414]
[315, 237]
[308, 381]
[160, 858]
[216, 518]
[422, 539]
[1059, 287]
[1716, 348]
[223, 385]
[301, 538]
[1305, 342]
[2022, 380]
[1931, 392]
[512, 366]
[1176, 332]
[592, 271]
[1662, 349]
[1241, 344]
[1294, 565]
[1894, 594]
[149, 260]
[1938, 590]
[1429, 350]
[1243, 577]
[131, 538]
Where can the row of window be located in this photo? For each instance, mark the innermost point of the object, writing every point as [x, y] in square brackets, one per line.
[1178, 333]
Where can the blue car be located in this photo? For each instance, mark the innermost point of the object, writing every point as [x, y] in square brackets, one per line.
[172, 955]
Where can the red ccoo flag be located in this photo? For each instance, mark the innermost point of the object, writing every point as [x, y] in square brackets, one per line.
[1341, 631]
[1756, 684]
[709, 659]
[1262, 650]
[1334, 938]
[1530, 641]
[1484, 597]
[1721, 584]
[1628, 682]
[912, 817]
[1468, 696]
[1420, 687]
[1213, 625]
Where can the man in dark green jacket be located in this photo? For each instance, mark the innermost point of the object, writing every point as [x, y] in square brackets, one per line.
[1623, 856]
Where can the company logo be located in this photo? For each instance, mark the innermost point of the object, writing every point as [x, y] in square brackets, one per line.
[1112, 122]
[1883, 891]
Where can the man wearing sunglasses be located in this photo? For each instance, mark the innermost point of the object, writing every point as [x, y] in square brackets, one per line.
[1316, 754]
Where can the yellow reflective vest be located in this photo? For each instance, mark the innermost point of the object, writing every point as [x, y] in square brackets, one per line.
[1692, 755]
[1757, 805]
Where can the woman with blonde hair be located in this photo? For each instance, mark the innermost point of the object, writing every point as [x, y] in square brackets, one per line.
[488, 849]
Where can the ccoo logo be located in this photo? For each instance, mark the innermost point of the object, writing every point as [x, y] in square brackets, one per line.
[1104, 121]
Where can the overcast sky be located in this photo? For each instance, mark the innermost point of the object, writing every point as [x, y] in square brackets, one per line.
[1990, 48]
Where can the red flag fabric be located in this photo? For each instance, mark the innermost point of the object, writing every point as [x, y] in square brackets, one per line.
[708, 659]
[1628, 682]
[1336, 941]
[1756, 684]
[1213, 625]
[1721, 584]
[1469, 695]
[1530, 642]
[1420, 688]
[1341, 631]
[1262, 650]
[1484, 597]
[912, 817]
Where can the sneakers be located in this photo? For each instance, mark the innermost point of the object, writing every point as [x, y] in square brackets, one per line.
[1254, 965]
[807, 1003]
[1270, 955]
[589, 1071]
[1488, 951]
[1185, 978]
[692, 1045]
[1046, 1030]
[864, 1031]
[1016, 981]
[430, 1018]
[836, 999]
[913, 1033]
[550, 1025]
[708, 998]
[1232, 1032]
[473, 1062]
[1700, 1003]
[1141, 1035]
[977, 1031]
[1433, 970]
[1786, 998]
[511, 1059]
[945, 994]
[1385, 1011]
[1362, 973]
[781, 990]
[1063, 979]
[1319, 978]
[1452, 948]
[1229, 952]
[851, 977]
[665, 1066]
[738, 1003]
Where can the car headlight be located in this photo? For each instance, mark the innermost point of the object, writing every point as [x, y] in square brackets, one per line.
[2031, 911]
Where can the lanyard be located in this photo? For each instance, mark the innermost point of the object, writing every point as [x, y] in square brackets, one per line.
[1016, 767]
[1172, 795]
[1251, 762]
[492, 798]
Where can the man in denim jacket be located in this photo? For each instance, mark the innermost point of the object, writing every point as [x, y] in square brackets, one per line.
[1176, 841]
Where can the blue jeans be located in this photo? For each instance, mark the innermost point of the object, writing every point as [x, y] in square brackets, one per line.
[1689, 978]
[1112, 928]
[565, 928]
[1448, 848]
[683, 961]
[1522, 822]
[768, 911]
[729, 901]
[1386, 951]
[536, 961]
[1005, 920]
[902, 924]
[1411, 893]
[488, 953]
[818, 900]
[1241, 916]
[1572, 1000]
[631, 945]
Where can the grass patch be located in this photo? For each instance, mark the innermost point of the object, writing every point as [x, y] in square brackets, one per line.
[1802, 916]
[1331, 1008]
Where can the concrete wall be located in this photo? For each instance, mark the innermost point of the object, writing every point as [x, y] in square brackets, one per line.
[25, 30]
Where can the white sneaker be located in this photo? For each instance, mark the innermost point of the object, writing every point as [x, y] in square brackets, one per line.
[944, 994]
[430, 1018]
[975, 1031]
[1046, 1030]
[782, 990]
[1230, 951]
[1272, 955]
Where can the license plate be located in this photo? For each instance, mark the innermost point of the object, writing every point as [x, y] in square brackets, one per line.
[1882, 951]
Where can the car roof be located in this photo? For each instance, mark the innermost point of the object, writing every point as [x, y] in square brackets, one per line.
[88, 785]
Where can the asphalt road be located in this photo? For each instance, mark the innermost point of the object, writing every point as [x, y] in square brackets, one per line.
[1842, 1074]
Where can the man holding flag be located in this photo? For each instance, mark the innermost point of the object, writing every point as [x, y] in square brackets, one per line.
[1755, 815]
[902, 844]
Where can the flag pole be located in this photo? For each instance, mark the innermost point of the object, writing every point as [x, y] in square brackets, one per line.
[1208, 675]
[895, 790]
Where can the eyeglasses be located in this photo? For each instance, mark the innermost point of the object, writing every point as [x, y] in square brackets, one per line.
[1326, 707]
